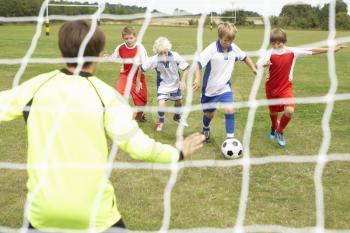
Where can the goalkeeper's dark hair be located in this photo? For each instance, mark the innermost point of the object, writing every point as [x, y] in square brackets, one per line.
[71, 36]
[278, 35]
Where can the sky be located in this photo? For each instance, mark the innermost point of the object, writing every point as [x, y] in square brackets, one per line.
[266, 7]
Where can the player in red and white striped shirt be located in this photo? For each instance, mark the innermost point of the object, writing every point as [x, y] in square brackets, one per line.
[280, 61]
[132, 50]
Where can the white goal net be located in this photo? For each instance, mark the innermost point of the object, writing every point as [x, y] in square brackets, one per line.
[246, 162]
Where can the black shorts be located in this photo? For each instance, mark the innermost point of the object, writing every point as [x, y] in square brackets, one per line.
[120, 224]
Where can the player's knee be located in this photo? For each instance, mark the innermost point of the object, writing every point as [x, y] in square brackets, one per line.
[229, 110]
[289, 111]
[161, 103]
[178, 103]
[210, 115]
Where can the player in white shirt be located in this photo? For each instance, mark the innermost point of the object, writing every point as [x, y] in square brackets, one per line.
[219, 59]
[167, 64]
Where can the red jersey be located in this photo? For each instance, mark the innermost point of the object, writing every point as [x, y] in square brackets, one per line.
[280, 72]
[124, 52]
[134, 55]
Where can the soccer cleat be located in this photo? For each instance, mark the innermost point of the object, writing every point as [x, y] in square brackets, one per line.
[281, 141]
[206, 134]
[159, 126]
[272, 134]
[141, 119]
[179, 121]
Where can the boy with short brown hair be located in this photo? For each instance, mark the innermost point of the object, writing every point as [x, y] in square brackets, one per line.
[130, 49]
[280, 61]
[219, 59]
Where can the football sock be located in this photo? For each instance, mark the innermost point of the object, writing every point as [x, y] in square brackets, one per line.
[177, 111]
[177, 116]
[274, 121]
[206, 123]
[139, 115]
[230, 125]
[161, 117]
[283, 123]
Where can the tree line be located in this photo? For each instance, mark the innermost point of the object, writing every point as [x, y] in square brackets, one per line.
[306, 16]
[302, 16]
[296, 16]
[12, 8]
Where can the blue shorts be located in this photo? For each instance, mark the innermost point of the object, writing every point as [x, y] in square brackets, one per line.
[176, 95]
[226, 97]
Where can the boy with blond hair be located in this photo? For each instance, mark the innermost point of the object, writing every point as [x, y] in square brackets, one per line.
[69, 117]
[280, 61]
[167, 64]
[130, 49]
[219, 59]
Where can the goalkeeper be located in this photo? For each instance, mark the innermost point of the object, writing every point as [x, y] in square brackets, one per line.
[68, 117]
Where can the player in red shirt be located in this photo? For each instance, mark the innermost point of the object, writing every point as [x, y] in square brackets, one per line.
[280, 61]
[135, 54]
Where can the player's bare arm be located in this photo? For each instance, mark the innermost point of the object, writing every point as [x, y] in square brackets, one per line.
[183, 80]
[251, 65]
[197, 79]
[316, 51]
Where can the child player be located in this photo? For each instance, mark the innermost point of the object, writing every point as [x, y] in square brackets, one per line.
[132, 50]
[167, 64]
[280, 61]
[219, 58]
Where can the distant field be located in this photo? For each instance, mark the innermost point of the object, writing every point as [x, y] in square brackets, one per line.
[280, 194]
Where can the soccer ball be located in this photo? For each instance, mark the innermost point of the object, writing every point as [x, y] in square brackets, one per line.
[231, 148]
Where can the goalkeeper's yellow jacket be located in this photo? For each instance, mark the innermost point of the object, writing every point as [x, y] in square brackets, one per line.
[69, 119]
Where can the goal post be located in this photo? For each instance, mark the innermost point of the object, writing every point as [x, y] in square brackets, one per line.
[47, 20]
[233, 17]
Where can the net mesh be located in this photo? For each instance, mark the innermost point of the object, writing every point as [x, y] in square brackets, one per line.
[320, 159]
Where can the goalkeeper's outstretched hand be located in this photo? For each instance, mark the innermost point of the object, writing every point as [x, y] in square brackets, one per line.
[192, 143]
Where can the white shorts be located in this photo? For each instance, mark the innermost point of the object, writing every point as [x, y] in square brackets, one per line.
[176, 95]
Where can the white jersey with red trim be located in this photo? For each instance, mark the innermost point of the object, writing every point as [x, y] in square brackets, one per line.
[137, 52]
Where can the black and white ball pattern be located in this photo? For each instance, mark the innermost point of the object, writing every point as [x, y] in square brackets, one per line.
[231, 148]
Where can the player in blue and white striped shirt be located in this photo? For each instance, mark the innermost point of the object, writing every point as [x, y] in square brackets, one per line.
[167, 64]
[219, 59]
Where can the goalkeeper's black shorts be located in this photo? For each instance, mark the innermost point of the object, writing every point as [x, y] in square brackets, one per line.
[119, 224]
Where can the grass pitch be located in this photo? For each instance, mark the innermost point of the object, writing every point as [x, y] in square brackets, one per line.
[281, 194]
